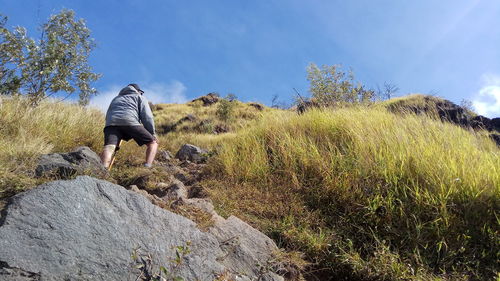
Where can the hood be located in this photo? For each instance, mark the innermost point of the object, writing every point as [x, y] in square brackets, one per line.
[129, 90]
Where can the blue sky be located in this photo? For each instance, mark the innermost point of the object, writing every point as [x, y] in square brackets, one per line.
[178, 50]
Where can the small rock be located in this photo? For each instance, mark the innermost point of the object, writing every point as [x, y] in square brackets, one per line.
[66, 165]
[192, 153]
[257, 106]
[197, 191]
[203, 204]
[176, 191]
[164, 156]
[220, 129]
[189, 117]
[181, 176]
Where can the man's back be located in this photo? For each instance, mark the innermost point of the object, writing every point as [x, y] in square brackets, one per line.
[130, 108]
[129, 117]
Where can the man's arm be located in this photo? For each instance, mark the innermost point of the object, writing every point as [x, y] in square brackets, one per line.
[146, 115]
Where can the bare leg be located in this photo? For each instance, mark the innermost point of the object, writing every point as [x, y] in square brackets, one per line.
[151, 152]
[106, 155]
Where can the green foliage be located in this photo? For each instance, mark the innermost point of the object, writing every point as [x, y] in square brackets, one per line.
[11, 46]
[330, 86]
[226, 107]
[57, 62]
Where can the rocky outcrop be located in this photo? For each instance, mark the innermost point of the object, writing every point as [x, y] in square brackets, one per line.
[192, 153]
[257, 106]
[88, 228]
[208, 99]
[446, 111]
[65, 165]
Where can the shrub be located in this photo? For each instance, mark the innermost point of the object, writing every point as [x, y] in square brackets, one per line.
[226, 107]
[330, 86]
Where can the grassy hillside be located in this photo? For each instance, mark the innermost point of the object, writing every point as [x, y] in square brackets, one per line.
[205, 125]
[368, 194]
[365, 194]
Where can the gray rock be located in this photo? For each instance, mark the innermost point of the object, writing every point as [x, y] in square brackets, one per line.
[177, 190]
[64, 165]
[189, 117]
[245, 247]
[203, 204]
[164, 156]
[90, 229]
[192, 153]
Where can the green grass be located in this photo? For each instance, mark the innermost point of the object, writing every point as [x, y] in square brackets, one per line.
[368, 194]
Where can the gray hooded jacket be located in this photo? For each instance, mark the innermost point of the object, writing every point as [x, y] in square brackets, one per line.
[130, 108]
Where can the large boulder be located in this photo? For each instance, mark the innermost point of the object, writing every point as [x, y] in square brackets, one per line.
[90, 229]
[192, 153]
[65, 165]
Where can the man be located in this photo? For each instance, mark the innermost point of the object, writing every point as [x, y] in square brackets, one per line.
[129, 117]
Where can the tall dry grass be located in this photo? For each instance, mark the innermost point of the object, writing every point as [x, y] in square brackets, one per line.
[368, 193]
[26, 132]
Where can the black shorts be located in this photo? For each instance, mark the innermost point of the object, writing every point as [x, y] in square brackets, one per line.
[113, 134]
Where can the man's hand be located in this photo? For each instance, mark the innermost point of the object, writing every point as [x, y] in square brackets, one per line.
[155, 139]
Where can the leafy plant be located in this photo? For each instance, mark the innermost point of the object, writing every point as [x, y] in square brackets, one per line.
[331, 86]
[57, 62]
[151, 272]
[225, 108]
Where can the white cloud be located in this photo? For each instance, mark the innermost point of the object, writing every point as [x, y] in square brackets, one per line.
[173, 92]
[487, 101]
